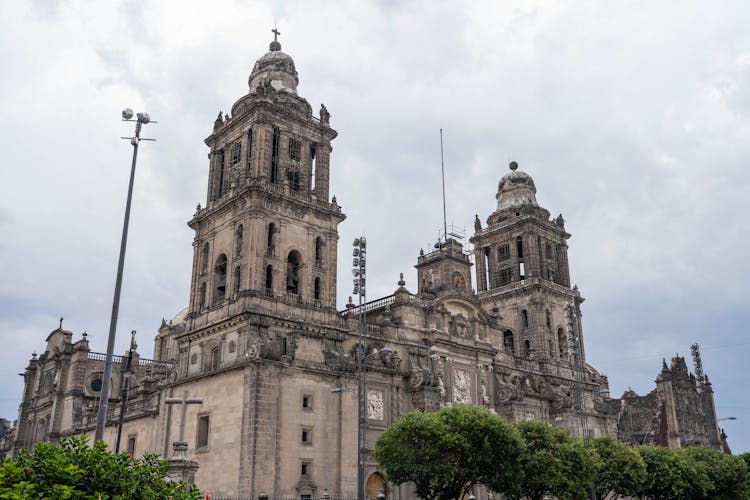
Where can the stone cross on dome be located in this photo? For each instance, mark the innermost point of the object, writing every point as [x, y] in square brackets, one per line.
[275, 45]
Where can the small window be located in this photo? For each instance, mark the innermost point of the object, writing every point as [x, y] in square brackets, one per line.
[524, 318]
[306, 437]
[131, 444]
[504, 277]
[548, 315]
[96, 384]
[235, 153]
[305, 469]
[548, 250]
[237, 279]
[269, 278]
[503, 252]
[316, 289]
[204, 258]
[201, 442]
[519, 247]
[508, 345]
[307, 402]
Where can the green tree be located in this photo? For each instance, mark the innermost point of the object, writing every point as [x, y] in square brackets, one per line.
[446, 453]
[619, 468]
[669, 475]
[721, 475]
[554, 464]
[73, 470]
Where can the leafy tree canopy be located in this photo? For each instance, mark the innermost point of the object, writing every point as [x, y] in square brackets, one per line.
[447, 452]
[721, 475]
[74, 471]
[619, 468]
[669, 475]
[554, 463]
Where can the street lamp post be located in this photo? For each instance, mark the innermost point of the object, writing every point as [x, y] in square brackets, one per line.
[359, 265]
[101, 420]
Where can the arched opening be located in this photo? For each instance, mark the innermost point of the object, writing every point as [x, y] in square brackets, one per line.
[316, 289]
[236, 280]
[548, 316]
[238, 240]
[526, 348]
[202, 296]
[293, 264]
[204, 258]
[318, 251]
[269, 279]
[562, 342]
[486, 275]
[524, 318]
[313, 166]
[271, 239]
[215, 358]
[275, 155]
[508, 344]
[220, 277]
[375, 486]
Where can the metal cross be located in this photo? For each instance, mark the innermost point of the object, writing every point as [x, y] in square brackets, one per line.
[184, 401]
[276, 33]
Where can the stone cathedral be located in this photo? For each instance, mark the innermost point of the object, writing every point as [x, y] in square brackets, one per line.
[262, 343]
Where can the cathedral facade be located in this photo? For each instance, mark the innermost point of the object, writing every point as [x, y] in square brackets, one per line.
[262, 344]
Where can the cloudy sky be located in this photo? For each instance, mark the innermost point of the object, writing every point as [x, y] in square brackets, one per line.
[632, 117]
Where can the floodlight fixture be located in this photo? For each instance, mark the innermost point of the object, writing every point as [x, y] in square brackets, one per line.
[127, 114]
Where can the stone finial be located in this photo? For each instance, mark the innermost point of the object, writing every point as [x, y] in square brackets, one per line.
[198, 207]
[85, 335]
[219, 121]
[226, 117]
[560, 221]
[421, 252]
[333, 200]
[401, 281]
[33, 355]
[513, 166]
[575, 286]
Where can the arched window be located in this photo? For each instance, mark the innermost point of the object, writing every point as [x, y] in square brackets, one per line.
[549, 319]
[220, 277]
[316, 289]
[562, 342]
[508, 345]
[318, 251]
[215, 357]
[271, 239]
[236, 280]
[204, 258]
[269, 279]
[526, 348]
[524, 318]
[293, 264]
[202, 296]
[238, 240]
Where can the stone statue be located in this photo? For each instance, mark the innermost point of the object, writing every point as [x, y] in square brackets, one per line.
[477, 223]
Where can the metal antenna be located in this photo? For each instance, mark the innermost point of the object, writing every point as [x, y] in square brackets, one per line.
[442, 167]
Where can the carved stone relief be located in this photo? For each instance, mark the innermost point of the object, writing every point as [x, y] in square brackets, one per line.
[375, 405]
[461, 387]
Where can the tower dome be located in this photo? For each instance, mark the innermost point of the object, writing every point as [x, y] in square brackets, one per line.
[274, 68]
[516, 189]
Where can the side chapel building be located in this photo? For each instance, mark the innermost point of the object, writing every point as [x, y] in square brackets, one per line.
[262, 343]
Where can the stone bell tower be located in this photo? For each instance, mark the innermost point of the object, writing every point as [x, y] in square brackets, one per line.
[522, 270]
[268, 232]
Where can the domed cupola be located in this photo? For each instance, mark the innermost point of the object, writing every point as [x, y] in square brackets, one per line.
[275, 69]
[516, 189]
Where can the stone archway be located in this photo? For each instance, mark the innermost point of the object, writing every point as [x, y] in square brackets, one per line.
[374, 486]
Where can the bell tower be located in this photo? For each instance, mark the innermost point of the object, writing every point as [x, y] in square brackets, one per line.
[268, 232]
[522, 269]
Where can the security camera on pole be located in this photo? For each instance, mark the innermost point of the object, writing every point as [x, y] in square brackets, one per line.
[101, 418]
[359, 264]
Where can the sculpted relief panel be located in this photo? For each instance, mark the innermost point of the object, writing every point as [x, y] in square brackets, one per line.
[374, 405]
[461, 387]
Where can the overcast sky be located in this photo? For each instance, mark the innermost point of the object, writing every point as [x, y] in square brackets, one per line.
[632, 117]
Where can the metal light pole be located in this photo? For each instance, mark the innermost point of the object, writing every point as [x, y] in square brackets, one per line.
[127, 372]
[101, 418]
[359, 263]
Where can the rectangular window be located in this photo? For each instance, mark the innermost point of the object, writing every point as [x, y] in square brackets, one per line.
[548, 250]
[131, 444]
[275, 155]
[504, 277]
[521, 271]
[306, 436]
[294, 149]
[307, 402]
[503, 252]
[235, 153]
[305, 470]
[201, 442]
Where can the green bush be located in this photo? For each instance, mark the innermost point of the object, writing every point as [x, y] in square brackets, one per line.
[73, 470]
